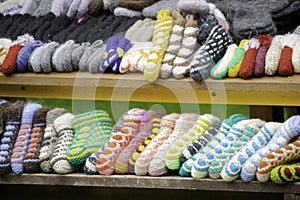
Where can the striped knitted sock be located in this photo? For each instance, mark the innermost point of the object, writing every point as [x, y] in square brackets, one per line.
[162, 31]
[50, 139]
[236, 62]
[199, 128]
[21, 145]
[12, 118]
[250, 129]
[186, 167]
[31, 159]
[92, 130]
[273, 56]
[282, 137]
[144, 133]
[187, 48]
[90, 163]
[174, 44]
[211, 51]
[232, 169]
[166, 128]
[285, 173]
[284, 155]
[117, 142]
[63, 127]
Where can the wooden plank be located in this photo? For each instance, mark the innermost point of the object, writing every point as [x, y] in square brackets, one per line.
[132, 181]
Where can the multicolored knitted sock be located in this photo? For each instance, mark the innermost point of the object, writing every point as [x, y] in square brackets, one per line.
[50, 139]
[285, 173]
[282, 137]
[173, 155]
[284, 155]
[126, 159]
[247, 66]
[232, 169]
[3, 105]
[236, 62]
[161, 36]
[12, 118]
[273, 56]
[211, 51]
[220, 70]
[265, 43]
[182, 61]
[21, 145]
[90, 163]
[92, 131]
[186, 167]
[63, 127]
[31, 158]
[174, 44]
[229, 150]
[295, 57]
[205, 23]
[118, 141]
[285, 67]
[166, 127]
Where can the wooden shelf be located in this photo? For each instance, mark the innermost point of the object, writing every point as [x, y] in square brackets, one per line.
[133, 87]
[147, 182]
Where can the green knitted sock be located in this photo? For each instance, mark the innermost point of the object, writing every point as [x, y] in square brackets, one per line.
[285, 173]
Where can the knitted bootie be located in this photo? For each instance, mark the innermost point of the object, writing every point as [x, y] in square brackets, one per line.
[198, 7]
[236, 62]
[285, 173]
[273, 56]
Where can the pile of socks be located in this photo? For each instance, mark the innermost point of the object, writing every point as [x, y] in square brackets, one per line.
[36, 138]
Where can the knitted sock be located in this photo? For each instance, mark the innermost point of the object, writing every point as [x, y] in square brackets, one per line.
[63, 127]
[284, 155]
[29, 6]
[222, 20]
[205, 23]
[46, 57]
[188, 46]
[285, 173]
[95, 59]
[247, 66]
[173, 155]
[23, 55]
[95, 7]
[59, 56]
[209, 52]
[220, 70]
[83, 63]
[166, 127]
[92, 131]
[31, 158]
[162, 31]
[117, 142]
[174, 44]
[259, 66]
[23, 137]
[77, 53]
[67, 58]
[43, 8]
[5, 43]
[198, 7]
[273, 55]
[72, 10]
[60, 7]
[153, 10]
[284, 134]
[186, 167]
[10, 62]
[295, 57]
[121, 11]
[34, 64]
[232, 169]
[136, 5]
[12, 118]
[141, 31]
[236, 62]
[90, 163]
[3, 105]
[126, 159]
[285, 67]
[50, 139]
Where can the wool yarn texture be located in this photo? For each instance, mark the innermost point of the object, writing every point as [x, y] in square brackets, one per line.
[10, 62]
[3, 105]
[285, 173]
[295, 57]
[236, 62]
[153, 10]
[4, 46]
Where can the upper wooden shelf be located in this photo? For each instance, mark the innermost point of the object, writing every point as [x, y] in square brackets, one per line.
[133, 86]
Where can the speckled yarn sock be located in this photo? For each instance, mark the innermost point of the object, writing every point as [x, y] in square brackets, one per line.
[3, 105]
[161, 36]
[284, 155]
[273, 56]
[166, 127]
[186, 167]
[236, 62]
[31, 158]
[232, 169]
[50, 140]
[21, 145]
[92, 131]
[117, 142]
[10, 62]
[285, 173]
[65, 133]
[288, 130]
[295, 57]
[12, 118]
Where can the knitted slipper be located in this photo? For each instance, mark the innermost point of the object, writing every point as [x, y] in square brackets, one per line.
[205, 23]
[273, 56]
[236, 62]
[136, 4]
[285, 173]
[198, 7]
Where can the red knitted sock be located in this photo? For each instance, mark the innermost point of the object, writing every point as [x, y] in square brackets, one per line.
[285, 63]
[10, 62]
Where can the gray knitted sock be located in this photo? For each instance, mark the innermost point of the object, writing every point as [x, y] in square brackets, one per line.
[77, 54]
[198, 7]
[58, 55]
[120, 11]
[151, 11]
[46, 63]
[83, 63]
[34, 59]
[67, 58]
[95, 59]
[43, 8]
[60, 7]
[83, 8]
[30, 6]
[73, 8]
